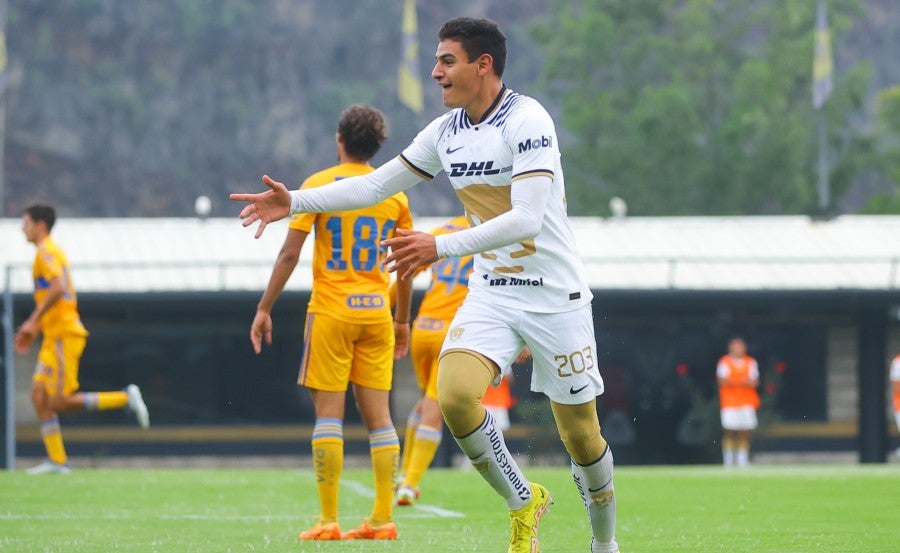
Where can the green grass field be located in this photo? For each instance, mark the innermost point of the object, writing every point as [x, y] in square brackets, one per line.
[839, 509]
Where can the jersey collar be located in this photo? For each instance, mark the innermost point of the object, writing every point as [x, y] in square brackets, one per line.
[490, 109]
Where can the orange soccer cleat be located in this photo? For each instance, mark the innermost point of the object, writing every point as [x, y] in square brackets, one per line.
[322, 531]
[366, 531]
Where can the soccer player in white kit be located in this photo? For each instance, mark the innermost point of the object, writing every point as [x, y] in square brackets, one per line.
[528, 287]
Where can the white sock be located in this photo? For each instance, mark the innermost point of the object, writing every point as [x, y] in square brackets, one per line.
[486, 448]
[595, 484]
[743, 457]
[728, 457]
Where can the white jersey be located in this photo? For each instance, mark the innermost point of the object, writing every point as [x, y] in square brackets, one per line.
[516, 139]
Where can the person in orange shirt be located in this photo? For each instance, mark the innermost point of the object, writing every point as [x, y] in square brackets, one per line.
[350, 336]
[738, 377]
[55, 382]
[498, 400]
[895, 384]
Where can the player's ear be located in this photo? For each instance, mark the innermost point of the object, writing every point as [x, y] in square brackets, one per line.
[485, 64]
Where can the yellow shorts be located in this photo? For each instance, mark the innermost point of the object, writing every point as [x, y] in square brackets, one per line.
[57, 366]
[336, 353]
[425, 350]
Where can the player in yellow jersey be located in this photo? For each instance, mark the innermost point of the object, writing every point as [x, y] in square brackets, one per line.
[424, 426]
[349, 336]
[55, 382]
[449, 285]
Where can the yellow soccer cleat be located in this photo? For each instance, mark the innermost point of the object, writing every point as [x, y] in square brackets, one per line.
[366, 531]
[322, 531]
[523, 523]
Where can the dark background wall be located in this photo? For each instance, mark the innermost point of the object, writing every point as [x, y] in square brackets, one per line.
[190, 354]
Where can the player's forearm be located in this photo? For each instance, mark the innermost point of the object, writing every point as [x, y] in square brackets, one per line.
[281, 272]
[355, 192]
[403, 308]
[529, 200]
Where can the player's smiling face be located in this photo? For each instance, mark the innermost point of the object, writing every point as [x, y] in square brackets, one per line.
[457, 76]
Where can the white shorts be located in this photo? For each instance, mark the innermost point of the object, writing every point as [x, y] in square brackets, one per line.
[738, 418]
[500, 415]
[563, 346]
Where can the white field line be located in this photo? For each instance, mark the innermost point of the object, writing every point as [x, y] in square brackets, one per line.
[418, 511]
[365, 491]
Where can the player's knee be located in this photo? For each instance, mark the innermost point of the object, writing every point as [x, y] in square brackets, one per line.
[462, 379]
[454, 399]
[60, 403]
[38, 396]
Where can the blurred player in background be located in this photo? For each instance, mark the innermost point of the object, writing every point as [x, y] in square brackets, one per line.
[350, 336]
[55, 381]
[895, 384]
[528, 286]
[424, 426]
[738, 376]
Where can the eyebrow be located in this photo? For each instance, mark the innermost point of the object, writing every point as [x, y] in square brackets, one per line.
[445, 57]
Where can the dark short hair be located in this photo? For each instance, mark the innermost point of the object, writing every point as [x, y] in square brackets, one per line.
[40, 212]
[477, 37]
[363, 130]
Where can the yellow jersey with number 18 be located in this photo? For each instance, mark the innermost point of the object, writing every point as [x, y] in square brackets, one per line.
[350, 281]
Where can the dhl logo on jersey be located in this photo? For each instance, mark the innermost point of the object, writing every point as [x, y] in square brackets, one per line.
[476, 169]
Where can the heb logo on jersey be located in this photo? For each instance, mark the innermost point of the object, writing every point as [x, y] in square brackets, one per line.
[365, 301]
[513, 281]
[476, 169]
[535, 143]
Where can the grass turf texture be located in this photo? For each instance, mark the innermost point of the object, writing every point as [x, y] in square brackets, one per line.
[661, 509]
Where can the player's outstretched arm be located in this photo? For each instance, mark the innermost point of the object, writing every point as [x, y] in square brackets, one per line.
[265, 207]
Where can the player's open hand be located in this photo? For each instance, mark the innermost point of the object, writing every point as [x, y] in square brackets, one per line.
[260, 330]
[410, 250]
[265, 207]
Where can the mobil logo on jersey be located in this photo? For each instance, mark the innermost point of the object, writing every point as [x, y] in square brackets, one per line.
[535, 143]
[476, 169]
[365, 301]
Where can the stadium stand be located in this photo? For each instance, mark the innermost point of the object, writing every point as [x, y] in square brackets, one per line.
[818, 297]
